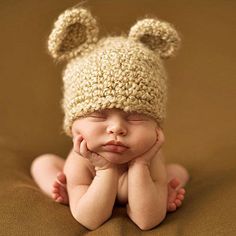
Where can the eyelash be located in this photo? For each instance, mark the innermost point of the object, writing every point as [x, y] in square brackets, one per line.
[135, 118]
[131, 117]
[98, 115]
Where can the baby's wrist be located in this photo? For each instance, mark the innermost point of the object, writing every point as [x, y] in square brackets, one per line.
[102, 170]
[139, 162]
[109, 166]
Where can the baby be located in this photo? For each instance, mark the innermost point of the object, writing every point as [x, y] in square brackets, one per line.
[114, 102]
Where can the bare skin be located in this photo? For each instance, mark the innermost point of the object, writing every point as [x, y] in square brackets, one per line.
[176, 191]
[112, 160]
[177, 178]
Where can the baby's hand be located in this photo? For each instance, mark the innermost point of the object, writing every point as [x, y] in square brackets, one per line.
[145, 159]
[80, 147]
[152, 152]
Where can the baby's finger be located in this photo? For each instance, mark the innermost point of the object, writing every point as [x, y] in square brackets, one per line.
[77, 142]
[84, 149]
[154, 149]
[158, 143]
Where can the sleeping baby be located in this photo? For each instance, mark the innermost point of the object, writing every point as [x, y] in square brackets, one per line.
[115, 93]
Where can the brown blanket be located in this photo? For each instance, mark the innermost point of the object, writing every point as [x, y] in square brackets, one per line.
[200, 129]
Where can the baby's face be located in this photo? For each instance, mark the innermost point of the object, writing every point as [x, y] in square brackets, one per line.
[116, 135]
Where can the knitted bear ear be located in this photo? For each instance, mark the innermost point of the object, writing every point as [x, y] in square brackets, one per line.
[74, 32]
[157, 35]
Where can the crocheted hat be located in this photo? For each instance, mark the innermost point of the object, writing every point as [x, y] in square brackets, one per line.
[124, 72]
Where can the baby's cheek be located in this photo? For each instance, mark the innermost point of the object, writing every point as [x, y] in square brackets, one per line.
[92, 146]
[146, 143]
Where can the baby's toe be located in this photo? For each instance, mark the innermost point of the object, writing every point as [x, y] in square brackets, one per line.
[55, 196]
[178, 202]
[59, 199]
[55, 190]
[61, 177]
[181, 191]
[56, 185]
[174, 183]
[180, 197]
[171, 207]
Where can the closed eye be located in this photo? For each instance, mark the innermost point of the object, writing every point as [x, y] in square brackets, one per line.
[136, 117]
[97, 115]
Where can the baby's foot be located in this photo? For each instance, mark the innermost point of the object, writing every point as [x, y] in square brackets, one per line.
[59, 192]
[175, 195]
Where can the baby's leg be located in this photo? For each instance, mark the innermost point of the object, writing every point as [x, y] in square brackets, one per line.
[44, 170]
[179, 172]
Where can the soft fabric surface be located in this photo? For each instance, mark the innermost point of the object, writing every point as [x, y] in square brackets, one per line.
[200, 128]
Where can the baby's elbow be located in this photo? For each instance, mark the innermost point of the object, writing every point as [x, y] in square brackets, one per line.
[91, 222]
[90, 225]
[148, 223]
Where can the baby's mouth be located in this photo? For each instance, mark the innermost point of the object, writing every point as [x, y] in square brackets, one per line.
[115, 146]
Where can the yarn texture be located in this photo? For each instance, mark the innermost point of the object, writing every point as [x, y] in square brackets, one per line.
[124, 72]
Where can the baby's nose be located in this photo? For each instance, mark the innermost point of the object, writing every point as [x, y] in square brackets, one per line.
[117, 128]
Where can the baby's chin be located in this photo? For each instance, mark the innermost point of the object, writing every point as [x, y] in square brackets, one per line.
[116, 158]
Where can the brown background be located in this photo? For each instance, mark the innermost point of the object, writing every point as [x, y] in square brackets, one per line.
[200, 128]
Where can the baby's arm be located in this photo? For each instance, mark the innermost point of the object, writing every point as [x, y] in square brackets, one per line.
[147, 192]
[91, 199]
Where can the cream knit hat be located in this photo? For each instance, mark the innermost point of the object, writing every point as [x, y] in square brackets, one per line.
[123, 72]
